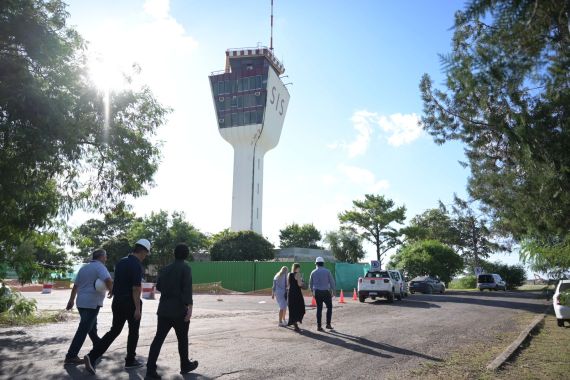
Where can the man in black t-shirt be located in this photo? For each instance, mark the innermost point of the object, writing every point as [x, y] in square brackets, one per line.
[127, 306]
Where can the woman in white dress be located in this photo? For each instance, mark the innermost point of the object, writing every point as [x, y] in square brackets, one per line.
[279, 292]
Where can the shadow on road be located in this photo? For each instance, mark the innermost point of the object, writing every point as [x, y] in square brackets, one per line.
[494, 299]
[344, 344]
[407, 303]
[384, 346]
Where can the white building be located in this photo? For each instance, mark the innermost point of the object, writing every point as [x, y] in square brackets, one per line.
[250, 101]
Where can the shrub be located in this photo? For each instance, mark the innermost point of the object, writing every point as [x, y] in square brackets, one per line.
[14, 303]
[467, 282]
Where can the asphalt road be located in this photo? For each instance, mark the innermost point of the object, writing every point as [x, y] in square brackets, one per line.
[238, 338]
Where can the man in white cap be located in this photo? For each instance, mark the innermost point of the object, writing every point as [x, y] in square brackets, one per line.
[127, 306]
[322, 286]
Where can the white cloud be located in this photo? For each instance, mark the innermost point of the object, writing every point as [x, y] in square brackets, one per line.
[157, 8]
[363, 177]
[329, 180]
[400, 128]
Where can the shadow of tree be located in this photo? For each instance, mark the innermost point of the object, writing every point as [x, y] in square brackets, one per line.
[495, 300]
[407, 303]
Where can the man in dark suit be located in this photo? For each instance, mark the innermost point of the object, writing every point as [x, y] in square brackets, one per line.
[174, 311]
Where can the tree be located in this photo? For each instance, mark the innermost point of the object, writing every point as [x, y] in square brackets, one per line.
[475, 238]
[433, 224]
[374, 218]
[59, 149]
[112, 234]
[40, 256]
[346, 245]
[547, 256]
[507, 98]
[428, 257]
[164, 233]
[300, 236]
[242, 246]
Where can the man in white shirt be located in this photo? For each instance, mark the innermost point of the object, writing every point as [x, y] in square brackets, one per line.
[89, 301]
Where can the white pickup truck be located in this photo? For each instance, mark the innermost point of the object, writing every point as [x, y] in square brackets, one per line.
[379, 283]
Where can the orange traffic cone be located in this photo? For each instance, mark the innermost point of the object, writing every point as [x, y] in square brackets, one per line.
[341, 300]
[354, 297]
[314, 302]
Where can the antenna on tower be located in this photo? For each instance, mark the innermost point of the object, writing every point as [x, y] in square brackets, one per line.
[271, 40]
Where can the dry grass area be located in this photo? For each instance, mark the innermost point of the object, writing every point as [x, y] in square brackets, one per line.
[40, 317]
[470, 362]
[546, 356]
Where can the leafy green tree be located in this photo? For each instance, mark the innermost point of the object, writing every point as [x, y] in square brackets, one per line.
[433, 224]
[165, 232]
[346, 245]
[112, 234]
[475, 239]
[242, 246]
[300, 236]
[507, 99]
[374, 218]
[547, 256]
[428, 257]
[57, 152]
[40, 256]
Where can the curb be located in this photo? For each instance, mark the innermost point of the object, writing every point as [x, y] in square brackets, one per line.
[514, 346]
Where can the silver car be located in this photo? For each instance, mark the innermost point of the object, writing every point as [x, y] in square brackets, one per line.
[491, 281]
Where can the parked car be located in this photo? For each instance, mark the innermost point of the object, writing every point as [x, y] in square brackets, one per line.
[400, 281]
[562, 311]
[491, 281]
[426, 284]
[378, 283]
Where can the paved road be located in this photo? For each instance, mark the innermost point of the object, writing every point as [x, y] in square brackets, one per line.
[239, 338]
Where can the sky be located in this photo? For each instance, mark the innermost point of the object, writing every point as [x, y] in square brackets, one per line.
[351, 126]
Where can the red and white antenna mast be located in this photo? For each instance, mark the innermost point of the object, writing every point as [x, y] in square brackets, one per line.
[271, 40]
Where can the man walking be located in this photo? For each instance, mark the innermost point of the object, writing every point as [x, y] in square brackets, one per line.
[127, 306]
[89, 301]
[174, 311]
[322, 286]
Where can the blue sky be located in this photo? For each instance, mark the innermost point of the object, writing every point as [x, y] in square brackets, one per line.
[351, 126]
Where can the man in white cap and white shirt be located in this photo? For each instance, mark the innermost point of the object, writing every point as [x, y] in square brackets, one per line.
[127, 306]
[322, 286]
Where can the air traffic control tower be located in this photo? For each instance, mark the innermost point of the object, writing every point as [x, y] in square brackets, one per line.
[250, 101]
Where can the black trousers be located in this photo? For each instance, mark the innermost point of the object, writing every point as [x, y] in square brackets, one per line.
[163, 326]
[123, 311]
[323, 296]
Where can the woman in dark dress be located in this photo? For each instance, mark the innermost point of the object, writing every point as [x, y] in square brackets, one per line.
[295, 299]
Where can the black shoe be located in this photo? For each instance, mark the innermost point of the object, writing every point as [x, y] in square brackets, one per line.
[191, 366]
[73, 361]
[152, 376]
[133, 364]
[89, 365]
[329, 327]
[320, 328]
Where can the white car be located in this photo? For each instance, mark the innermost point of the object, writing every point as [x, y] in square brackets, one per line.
[400, 281]
[562, 312]
[378, 283]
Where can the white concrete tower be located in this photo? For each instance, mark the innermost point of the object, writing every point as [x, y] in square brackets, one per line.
[251, 102]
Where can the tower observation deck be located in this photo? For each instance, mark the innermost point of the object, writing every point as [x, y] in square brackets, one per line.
[250, 102]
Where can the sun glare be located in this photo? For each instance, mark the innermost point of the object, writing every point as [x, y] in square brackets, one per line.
[106, 74]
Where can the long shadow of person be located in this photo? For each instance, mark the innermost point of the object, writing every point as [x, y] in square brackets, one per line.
[384, 346]
[344, 344]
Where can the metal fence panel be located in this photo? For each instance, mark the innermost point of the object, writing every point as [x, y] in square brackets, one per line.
[234, 275]
[346, 275]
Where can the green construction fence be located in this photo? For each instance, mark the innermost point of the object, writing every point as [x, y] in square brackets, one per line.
[248, 276]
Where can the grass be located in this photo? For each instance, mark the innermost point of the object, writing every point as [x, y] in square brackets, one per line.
[41, 317]
[546, 356]
[470, 361]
